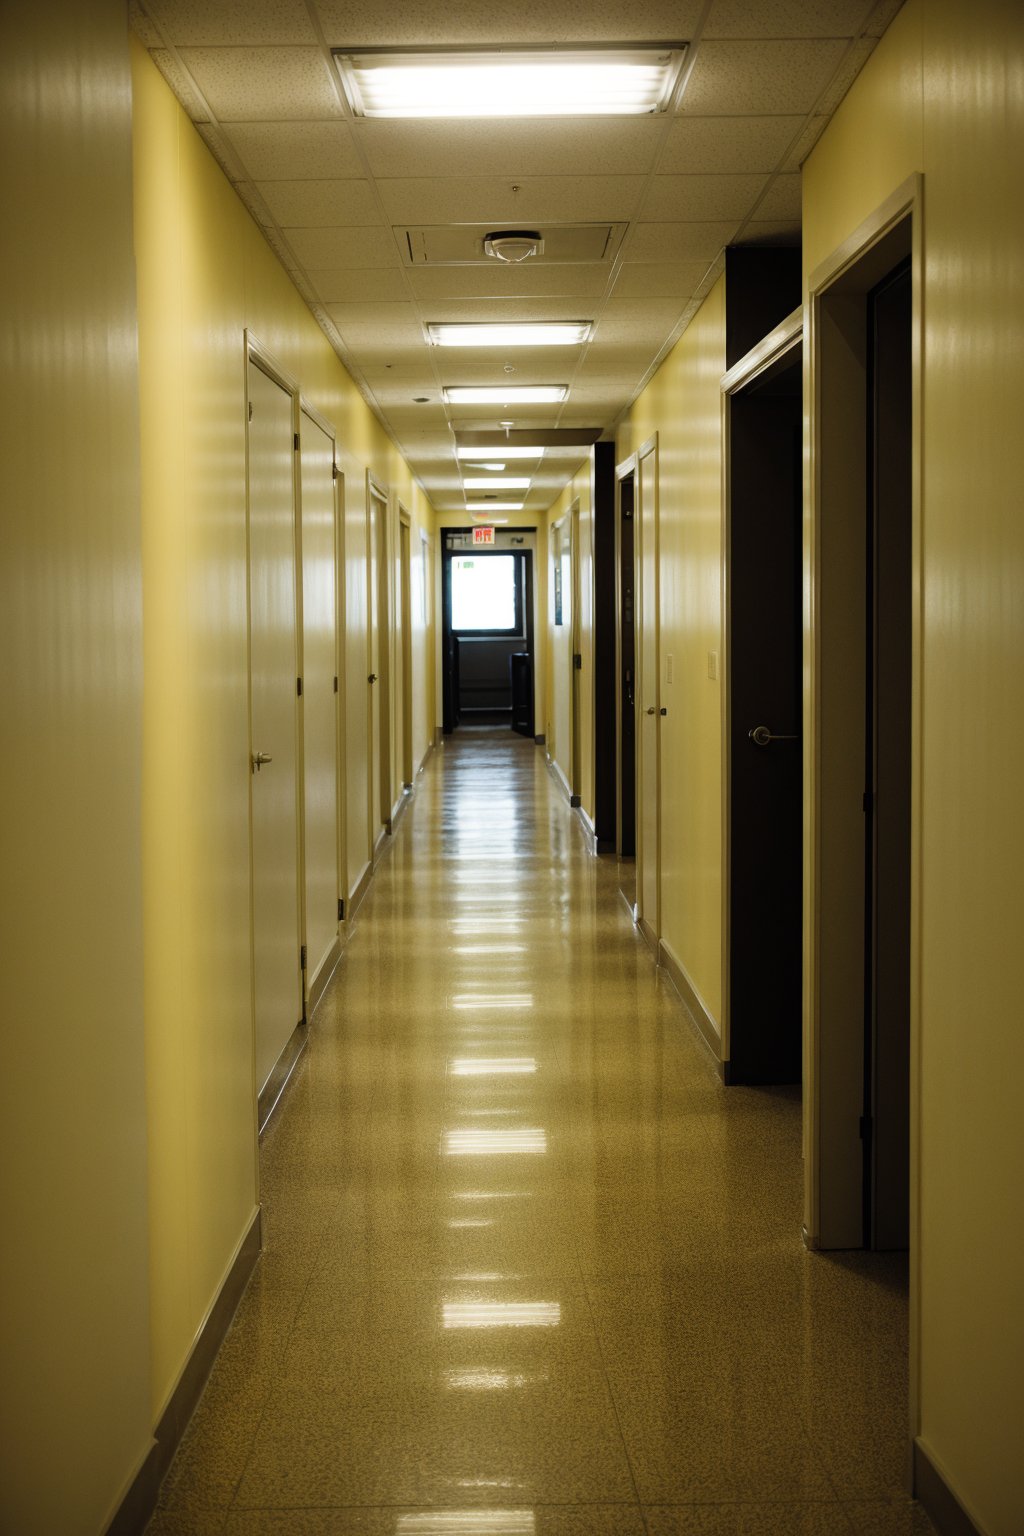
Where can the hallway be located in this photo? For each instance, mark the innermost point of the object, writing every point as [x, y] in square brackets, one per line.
[528, 1267]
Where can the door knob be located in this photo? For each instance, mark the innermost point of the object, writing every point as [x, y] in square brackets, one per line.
[258, 759]
[372, 677]
[761, 736]
[652, 710]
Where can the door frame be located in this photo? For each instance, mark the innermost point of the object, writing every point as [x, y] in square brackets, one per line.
[405, 573]
[624, 471]
[268, 1094]
[575, 659]
[649, 449]
[306, 408]
[835, 437]
[776, 346]
[379, 793]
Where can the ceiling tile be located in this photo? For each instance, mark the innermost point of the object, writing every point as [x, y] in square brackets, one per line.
[342, 285]
[454, 199]
[658, 280]
[679, 242]
[354, 23]
[782, 200]
[142, 26]
[508, 310]
[629, 319]
[881, 16]
[727, 145]
[773, 77]
[457, 365]
[253, 200]
[700, 198]
[786, 18]
[398, 320]
[197, 23]
[499, 280]
[555, 146]
[344, 247]
[247, 84]
[318, 204]
[295, 151]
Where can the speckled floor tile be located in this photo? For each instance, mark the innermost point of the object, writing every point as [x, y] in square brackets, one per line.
[755, 1519]
[524, 1253]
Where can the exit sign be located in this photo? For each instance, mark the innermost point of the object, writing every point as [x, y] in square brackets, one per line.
[483, 535]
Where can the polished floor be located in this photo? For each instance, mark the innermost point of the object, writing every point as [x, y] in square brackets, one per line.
[530, 1270]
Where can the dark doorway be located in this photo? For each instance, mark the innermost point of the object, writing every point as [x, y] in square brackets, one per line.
[487, 634]
[625, 821]
[765, 762]
[887, 789]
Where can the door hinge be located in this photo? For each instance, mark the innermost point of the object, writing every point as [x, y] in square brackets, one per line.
[341, 910]
[577, 660]
[335, 685]
[250, 410]
[296, 442]
[302, 958]
[298, 687]
[334, 471]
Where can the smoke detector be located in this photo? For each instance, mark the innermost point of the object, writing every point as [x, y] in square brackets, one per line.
[514, 245]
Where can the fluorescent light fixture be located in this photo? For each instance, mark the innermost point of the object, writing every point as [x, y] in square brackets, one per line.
[494, 506]
[507, 394]
[623, 80]
[555, 333]
[496, 482]
[462, 452]
[494, 468]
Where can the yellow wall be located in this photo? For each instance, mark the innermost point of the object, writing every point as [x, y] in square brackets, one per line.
[683, 406]
[205, 276]
[942, 95]
[74, 1385]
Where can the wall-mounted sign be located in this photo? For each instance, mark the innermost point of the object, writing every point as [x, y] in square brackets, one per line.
[483, 535]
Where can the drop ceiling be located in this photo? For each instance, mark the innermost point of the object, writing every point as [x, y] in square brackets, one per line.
[378, 221]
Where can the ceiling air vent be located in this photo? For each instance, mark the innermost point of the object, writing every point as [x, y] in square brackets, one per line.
[460, 244]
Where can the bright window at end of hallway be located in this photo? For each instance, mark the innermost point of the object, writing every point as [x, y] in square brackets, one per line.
[484, 593]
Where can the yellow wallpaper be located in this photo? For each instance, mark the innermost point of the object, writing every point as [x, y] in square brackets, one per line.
[205, 277]
[682, 405]
[941, 95]
[74, 1388]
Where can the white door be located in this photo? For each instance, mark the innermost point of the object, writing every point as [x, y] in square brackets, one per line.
[648, 696]
[273, 712]
[320, 684]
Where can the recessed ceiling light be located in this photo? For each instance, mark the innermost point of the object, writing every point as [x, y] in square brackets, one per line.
[462, 452]
[500, 482]
[607, 80]
[494, 506]
[519, 394]
[555, 333]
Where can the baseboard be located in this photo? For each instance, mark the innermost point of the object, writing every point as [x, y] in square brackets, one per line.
[692, 1002]
[647, 933]
[585, 822]
[428, 754]
[280, 1072]
[140, 1500]
[359, 890]
[318, 986]
[560, 778]
[438, 736]
[940, 1503]
[399, 809]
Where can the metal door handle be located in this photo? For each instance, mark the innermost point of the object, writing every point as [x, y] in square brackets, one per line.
[652, 710]
[372, 677]
[258, 759]
[761, 736]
